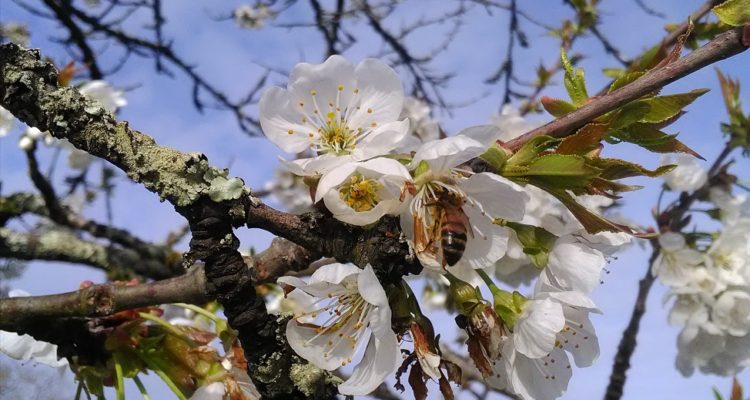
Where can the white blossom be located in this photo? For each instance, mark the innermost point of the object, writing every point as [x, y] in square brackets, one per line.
[109, 97]
[729, 255]
[511, 123]
[6, 121]
[340, 112]
[688, 176]
[26, 348]
[731, 207]
[289, 190]
[251, 17]
[573, 266]
[479, 197]
[351, 311]
[731, 312]
[422, 128]
[361, 193]
[676, 261]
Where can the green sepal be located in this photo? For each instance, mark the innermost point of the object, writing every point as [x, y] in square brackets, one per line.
[495, 156]
[531, 149]
[536, 241]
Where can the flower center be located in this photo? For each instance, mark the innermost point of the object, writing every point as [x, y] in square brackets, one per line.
[360, 193]
[336, 137]
[346, 322]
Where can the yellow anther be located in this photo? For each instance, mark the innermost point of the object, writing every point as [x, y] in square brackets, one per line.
[290, 131]
[313, 92]
[340, 87]
[369, 110]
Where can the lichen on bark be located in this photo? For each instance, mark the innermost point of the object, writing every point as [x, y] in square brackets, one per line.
[67, 114]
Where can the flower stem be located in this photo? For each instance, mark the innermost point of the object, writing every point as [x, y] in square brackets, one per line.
[141, 388]
[119, 381]
[170, 384]
[166, 325]
[488, 281]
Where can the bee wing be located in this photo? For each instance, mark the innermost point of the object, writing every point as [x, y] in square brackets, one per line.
[467, 224]
[421, 236]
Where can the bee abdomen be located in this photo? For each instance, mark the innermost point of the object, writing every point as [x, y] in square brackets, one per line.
[453, 242]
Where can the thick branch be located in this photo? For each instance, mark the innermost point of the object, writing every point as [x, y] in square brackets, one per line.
[63, 245]
[21, 203]
[722, 46]
[103, 300]
[279, 259]
[381, 246]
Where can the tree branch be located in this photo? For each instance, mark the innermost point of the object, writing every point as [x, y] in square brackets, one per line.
[103, 300]
[722, 46]
[63, 245]
[279, 259]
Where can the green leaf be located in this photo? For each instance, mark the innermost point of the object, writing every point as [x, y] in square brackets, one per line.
[537, 242]
[593, 223]
[613, 168]
[613, 73]
[666, 107]
[625, 79]
[733, 12]
[561, 165]
[574, 81]
[556, 107]
[717, 394]
[584, 141]
[651, 138]
[531, 149]
[495, 156]
[630, 114]
[555, 170]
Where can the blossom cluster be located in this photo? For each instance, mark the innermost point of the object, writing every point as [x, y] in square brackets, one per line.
[367, 152]
[708, 275]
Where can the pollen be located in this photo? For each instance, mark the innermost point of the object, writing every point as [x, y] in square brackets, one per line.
[361, 194]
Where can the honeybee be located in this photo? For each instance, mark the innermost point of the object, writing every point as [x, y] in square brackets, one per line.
[447, 226]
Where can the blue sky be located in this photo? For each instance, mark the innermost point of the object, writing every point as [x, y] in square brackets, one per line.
[229, 57]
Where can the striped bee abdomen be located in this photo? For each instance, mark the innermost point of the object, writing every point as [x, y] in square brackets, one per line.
[453, 237]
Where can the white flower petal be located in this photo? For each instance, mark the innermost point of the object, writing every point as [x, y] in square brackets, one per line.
[212, 391]
[484, 134]
[382, 140]
[324, 79]
[316, 165]
[536, 330]
[499, 197]
[381, 95]
[447, 153]
[334, 178]
[488, 243]
[278, 116]
[306, 341]
[26, 348]
[381, 359]
[533, 378]
[574, 266]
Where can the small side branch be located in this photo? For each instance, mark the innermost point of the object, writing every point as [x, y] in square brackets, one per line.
[722, 46]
